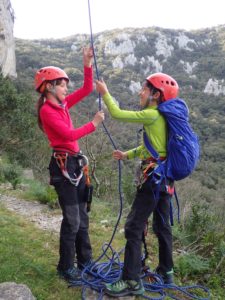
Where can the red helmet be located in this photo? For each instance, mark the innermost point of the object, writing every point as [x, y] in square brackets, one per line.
[164, 83]
[48, 74]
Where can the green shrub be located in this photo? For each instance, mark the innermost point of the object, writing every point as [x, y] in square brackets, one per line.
[198, 221]
[12, 174]
[190, 265]
[2, 178]
[42, 193]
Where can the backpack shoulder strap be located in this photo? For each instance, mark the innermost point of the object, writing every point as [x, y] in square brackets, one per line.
[149, 146]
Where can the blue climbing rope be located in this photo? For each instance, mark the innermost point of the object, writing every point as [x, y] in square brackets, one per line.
[97, 273]
[111, 139]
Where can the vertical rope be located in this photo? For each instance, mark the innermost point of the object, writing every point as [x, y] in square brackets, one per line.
[110, 137]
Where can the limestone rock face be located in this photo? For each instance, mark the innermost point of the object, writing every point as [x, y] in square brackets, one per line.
[7, 43]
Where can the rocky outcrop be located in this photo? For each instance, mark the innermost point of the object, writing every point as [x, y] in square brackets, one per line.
[13, 291]
[7, 43]
[215, 87]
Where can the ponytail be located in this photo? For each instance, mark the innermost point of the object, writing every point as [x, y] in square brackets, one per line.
[40, 103]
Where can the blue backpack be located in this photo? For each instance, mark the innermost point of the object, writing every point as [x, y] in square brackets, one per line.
[183, 148]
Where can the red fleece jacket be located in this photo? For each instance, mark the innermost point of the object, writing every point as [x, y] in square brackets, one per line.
[56, 120]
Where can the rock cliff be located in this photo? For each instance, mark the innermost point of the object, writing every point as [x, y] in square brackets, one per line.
[7, 43]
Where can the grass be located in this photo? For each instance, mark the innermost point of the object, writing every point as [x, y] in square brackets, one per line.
[29, 255]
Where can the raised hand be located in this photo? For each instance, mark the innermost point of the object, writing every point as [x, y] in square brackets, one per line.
[88, 55]
[101, 87]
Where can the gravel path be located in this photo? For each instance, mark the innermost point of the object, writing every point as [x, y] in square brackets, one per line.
[40, 214]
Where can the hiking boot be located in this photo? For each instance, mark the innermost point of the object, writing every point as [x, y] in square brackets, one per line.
[166, 276]
[122, 288]
[71, 274]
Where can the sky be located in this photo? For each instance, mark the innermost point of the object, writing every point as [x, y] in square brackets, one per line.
[40, 19]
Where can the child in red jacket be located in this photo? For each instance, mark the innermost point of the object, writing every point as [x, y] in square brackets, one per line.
[66, 164]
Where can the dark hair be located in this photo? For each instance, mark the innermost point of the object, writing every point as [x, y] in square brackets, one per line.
[151, 87]
[40, 103]
[155, 90]
[41, 100]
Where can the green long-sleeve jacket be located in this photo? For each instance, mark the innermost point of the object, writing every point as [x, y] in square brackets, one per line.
[154, 125]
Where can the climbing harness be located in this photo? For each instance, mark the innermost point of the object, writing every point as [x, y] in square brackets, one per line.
[61, 160]
[148, 168]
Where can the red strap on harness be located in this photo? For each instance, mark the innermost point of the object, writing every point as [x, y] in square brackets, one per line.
[170, 190]
[61, 158]
[87, 177]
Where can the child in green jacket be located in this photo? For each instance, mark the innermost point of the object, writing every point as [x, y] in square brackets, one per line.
[157, 88]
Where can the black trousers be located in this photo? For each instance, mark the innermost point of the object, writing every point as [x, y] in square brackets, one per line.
[143, 206]
[74, 236]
